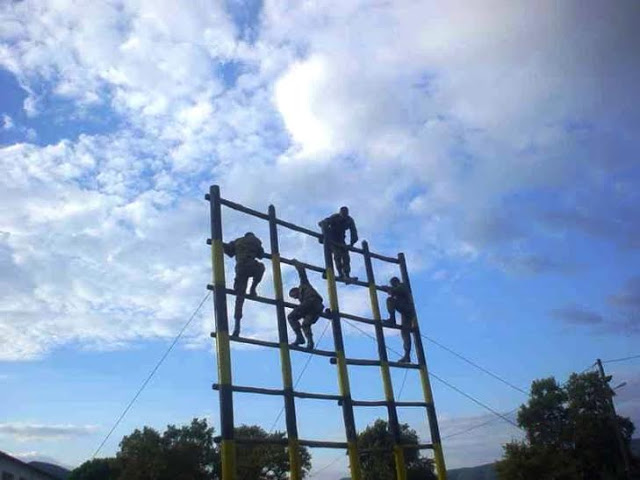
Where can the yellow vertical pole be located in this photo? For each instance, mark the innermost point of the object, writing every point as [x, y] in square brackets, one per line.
[426, 383]
[285, 357]
[343, 374]
[398, 452]
[227, 446]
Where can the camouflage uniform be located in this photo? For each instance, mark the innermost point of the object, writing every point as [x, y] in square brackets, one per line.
[399, 300]
[309, 310]
[246, 250]
[336, 227]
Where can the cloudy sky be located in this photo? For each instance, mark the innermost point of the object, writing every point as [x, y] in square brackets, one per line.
[494, 142]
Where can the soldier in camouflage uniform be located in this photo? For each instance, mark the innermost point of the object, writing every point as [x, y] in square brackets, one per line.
[399, 300]
[246, 250]
[335, 227]
[309, 310]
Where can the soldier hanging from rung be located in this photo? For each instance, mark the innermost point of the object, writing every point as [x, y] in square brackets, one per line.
[399, 300]
[309, 310]
[335, 228]
[246, 250]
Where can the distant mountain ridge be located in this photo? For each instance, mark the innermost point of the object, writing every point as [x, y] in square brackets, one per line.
[481, 472]
[52, 469]
[488, 470]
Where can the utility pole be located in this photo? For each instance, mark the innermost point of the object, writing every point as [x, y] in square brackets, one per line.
[614, 421]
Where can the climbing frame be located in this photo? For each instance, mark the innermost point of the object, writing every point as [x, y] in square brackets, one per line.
[337, 357]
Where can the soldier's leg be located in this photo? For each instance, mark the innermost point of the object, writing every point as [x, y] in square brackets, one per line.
[258, 272]
[240, 287]
[346, 262]
[306, 328]
[391, 308]
[407, 324]
[294, 320]
[337, 258]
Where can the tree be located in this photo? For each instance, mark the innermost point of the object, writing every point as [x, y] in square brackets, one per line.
[189, 453]
[263, 461]
[380, 464]
[569, 434]
[97, 469]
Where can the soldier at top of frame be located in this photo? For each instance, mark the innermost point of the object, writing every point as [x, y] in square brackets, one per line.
[247, 250]
[399, 300]
[335, 229]
[309, 310]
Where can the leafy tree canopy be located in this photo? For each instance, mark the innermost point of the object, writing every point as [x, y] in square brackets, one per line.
[380, 464]
[569, 433]
[189, 453]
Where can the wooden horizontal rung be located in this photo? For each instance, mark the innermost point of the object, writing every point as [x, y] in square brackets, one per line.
[384, 258]
[317, 396]
[413, 366]
[375, 363]
[369, 403]
[298, 228]
[259, 390]
[283, 441]
[411, 404]
[266, 343]
[322, 444]
[384, 403]
[243, 209]
[368, 321]
[405, 446]
[357, 361]
[315, 351]
[251, 341]
[288, 261]
[255, 298]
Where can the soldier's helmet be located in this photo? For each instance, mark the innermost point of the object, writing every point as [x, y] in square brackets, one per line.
[344, 211]
[249, 234]
[294, 292]
[394, 281]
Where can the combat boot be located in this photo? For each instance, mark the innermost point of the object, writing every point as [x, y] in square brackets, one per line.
[309, 336]
[236, 329]
[406, 358]
[299, 339]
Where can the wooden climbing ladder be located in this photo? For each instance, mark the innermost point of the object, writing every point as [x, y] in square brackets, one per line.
[226, 388]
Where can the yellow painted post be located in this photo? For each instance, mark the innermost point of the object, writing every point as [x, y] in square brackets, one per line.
[285, 357]
[426, 384]
[398, 452]
[227, 446]
[343, 374]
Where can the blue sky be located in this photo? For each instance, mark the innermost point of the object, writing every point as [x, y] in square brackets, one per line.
[496, 144]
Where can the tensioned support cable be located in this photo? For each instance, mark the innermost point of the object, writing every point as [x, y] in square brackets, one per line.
[150, 376]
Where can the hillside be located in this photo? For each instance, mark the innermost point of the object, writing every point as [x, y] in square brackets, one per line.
[52, 469]
[488, 472]
[481, 472]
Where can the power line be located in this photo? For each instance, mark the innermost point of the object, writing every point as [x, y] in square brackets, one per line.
[474, 427]
[623, 359]
[304, 368]
[151, 374]
[404, 380]
[453, 387]
[475, 400]
[330, 464]
[474, 364]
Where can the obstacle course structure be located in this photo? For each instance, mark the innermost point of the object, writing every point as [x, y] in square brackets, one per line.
[226, 388]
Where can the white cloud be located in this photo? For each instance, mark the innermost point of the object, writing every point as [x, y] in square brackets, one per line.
[423, 117]
[27, 431]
